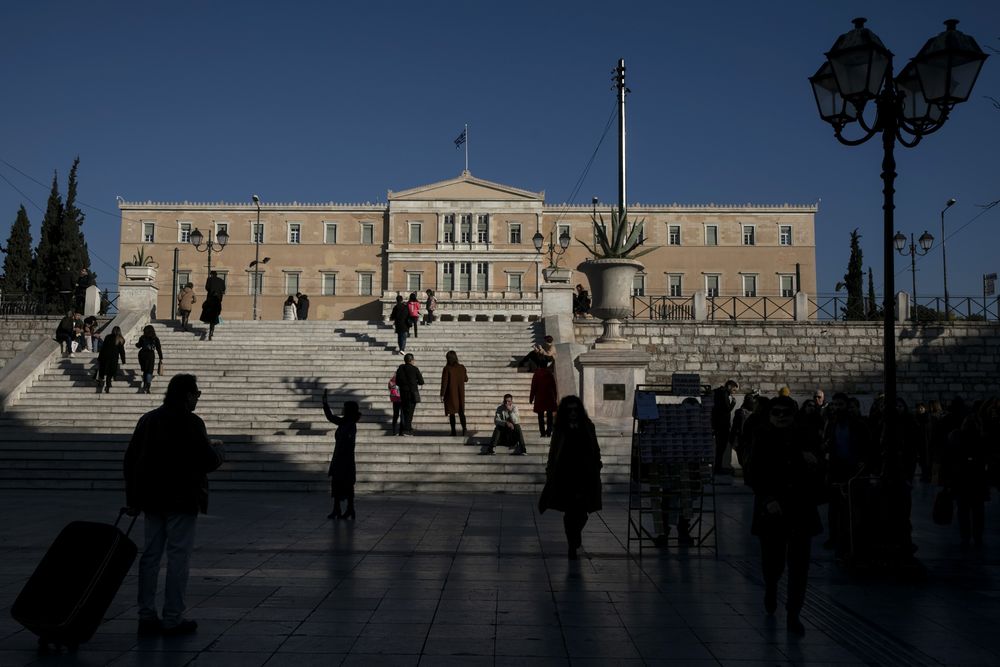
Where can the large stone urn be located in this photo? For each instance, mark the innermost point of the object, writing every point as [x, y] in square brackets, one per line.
[611, 296]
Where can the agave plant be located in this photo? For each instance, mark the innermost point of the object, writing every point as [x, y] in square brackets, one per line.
[624, 237]
[140, 258]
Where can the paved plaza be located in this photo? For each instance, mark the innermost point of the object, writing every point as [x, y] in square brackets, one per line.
[484, 580]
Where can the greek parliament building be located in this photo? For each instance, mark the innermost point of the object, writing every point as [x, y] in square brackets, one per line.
[468, 239]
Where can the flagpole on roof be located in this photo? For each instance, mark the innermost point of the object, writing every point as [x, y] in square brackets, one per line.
[467, 147]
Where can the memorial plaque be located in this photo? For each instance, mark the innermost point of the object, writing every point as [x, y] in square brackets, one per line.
[614, 392]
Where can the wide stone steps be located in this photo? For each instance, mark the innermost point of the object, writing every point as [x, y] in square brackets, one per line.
[261, 384]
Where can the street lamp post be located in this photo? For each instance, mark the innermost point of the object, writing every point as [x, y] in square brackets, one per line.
[210, 247]
[555, 250]
[926, 241]
[944, 260]
[256, 256]
[915, 102]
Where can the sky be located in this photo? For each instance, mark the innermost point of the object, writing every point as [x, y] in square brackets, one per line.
[336, 101]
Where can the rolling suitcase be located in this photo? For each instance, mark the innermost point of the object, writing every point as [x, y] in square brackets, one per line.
[65, 599]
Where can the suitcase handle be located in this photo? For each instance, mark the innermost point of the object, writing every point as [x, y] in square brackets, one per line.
[122, 512]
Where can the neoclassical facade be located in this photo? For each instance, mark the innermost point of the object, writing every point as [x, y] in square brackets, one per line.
[468, 239]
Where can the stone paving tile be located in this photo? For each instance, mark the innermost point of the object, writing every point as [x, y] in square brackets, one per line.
[482, 580]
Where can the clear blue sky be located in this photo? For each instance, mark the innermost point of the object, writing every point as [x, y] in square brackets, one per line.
[324, 101]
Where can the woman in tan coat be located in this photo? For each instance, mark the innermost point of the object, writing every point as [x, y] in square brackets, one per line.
[185, 302]
[453, 379]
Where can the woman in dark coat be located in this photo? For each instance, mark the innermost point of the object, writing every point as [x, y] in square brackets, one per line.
[573, 471]
[149, 351]
[544, 398]
[453, 379]
[964, 473]
[342, 471]
[211, 309]
[112, 350]
[785, 472]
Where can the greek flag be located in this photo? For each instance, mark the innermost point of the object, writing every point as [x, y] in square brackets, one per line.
[461, 139]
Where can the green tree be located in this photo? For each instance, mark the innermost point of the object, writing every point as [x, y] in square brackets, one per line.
[17, 265]
[48, 268]
[873, 311]
[72, 245]
[853, 279]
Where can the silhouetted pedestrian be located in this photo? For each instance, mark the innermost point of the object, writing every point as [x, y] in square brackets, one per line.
[185, 304]
[453, 379]
[112, 350]
[786, 475]
[342, 471]
[211, 310]
[723, 402]
[964, 474]
[573, 471]
[215, 287]
[409, 381]
[396, 402]
[302, 306]
[166, 467]
[400, 318]
[150, 353]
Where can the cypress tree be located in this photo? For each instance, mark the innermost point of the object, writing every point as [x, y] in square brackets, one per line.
[73, 247]
[45, 281]
[17, 265]
[874, 312]
[854, 279]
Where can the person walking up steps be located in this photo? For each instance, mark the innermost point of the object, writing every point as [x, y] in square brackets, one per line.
[112, 350]
[185, 303]
[409, 380]
[400, 318]
[149, 350]
[413, 309]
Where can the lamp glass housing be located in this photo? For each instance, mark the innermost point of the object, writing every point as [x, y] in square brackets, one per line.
[223, 238]
[916, 109]
[899, 240]
[833, 108]
[538, 240]
[860, 63]
[564, 240]
[926, 241]
[197, 237]
[948, 66]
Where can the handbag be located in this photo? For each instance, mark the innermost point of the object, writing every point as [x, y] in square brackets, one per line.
[944, 508]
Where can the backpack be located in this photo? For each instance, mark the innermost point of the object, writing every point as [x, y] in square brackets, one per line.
[414, 307]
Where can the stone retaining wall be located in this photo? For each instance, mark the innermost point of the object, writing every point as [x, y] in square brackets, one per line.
[17, 332]
[933, 360]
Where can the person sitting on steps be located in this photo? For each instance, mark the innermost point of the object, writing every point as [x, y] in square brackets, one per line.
[508, 429]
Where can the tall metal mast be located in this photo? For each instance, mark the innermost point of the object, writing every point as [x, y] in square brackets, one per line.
[622, 91]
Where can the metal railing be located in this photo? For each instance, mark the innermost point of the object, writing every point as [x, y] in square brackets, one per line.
[663, 307]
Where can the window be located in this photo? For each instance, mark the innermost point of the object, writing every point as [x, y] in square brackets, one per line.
[291, 283]
[750, 285]
[448, 276]
[365, 282]
[294, 232]
[148, 234]
[483, 229]
[785, 235]
[257, 233]
[514, 282]
[711, 235]
[466, 228]
[329, 232]
[482, 276]
[674, 285]
[749, 235]
[674, 235]
[449, 228]
[183, 278]
[414, 229]
[639, 284]
[464, 276]
[712, 285]
[256, 284]
[412, 282]
[367, 234]
[185, 233]
[787, 285]
[329, 287]
[515, 232]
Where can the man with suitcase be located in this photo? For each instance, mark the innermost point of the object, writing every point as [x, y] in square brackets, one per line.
[166, 464]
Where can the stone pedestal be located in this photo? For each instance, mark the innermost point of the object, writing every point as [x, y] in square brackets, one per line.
[801, 306]
[92, 301]
[138, 295]
[607, 384]
[700, 306]
[902, 306]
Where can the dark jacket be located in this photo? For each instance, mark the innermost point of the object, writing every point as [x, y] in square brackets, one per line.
[400, 317]
[149, 352]
[409, 379]
[167, 461]
[544, 396]
[112, 350]
[573, 471]
[722, 409]
[215, 287]
[302, 308]
[211, 309]
[781, 471]
[342, 470]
